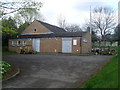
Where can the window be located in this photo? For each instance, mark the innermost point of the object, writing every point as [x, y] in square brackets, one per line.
[24, 43]
[35, 30]
[85, 40]
[13, 43]
[74, 42]
[18, 43]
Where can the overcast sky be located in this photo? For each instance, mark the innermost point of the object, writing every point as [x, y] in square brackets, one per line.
[75, 11]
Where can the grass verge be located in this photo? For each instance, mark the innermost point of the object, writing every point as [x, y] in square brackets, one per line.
[6, 52]
[107, 77]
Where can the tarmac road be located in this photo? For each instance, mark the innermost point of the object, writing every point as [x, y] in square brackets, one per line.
[51, 71]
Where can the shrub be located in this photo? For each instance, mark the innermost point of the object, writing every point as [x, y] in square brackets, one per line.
[4, 67]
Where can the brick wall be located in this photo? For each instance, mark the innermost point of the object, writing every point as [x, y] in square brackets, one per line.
[86, 45]
[35, 25]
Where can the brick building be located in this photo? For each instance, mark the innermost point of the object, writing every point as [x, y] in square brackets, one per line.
[45, 38]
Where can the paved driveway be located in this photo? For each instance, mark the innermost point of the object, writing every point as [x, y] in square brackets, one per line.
[50, 71]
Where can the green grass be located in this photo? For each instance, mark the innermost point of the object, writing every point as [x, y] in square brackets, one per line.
[6, 52]
[107, 77]
[111, 47]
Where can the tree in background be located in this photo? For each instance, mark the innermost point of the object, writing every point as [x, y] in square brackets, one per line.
[8, 30]
[117, 34]
[22, 27]
[73, 28]
[28, 16]
[61, 21]
[23, 12]
[110, 38]
[103, 24]
[8, 7]
[10, 23]
[95, 38]
[103, 21]
[68, 27]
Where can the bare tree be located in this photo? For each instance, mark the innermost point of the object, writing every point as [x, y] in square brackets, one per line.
[117, 34]
[61, 21]
[72, 28]
[103, 21]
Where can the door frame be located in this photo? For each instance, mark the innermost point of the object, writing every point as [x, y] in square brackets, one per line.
[34, 44]
[66, 39]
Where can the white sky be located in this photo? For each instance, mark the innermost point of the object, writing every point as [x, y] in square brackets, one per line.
[75, 11]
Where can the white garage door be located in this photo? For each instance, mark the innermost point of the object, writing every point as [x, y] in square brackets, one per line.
[66, 45]
[36, 45]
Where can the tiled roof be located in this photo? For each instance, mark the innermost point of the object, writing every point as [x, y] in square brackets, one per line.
[52, 28]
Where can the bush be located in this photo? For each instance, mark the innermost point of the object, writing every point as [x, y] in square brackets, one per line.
[5, 67]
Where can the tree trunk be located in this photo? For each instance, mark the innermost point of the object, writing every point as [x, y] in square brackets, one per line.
[119, 43]
[99, 42]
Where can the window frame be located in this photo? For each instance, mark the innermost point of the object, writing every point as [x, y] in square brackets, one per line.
[18, 44]
[85, 40]
[35, 30]
[24, 42]
[75, 42]
[13, 43]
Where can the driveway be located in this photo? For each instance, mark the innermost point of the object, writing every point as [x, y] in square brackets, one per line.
[53, 71]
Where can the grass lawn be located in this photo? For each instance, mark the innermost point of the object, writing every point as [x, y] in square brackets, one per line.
[111, 47]
[6, 52]
[107, 77]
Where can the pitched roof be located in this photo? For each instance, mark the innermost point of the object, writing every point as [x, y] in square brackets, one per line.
[52, 28]
[52, 35]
